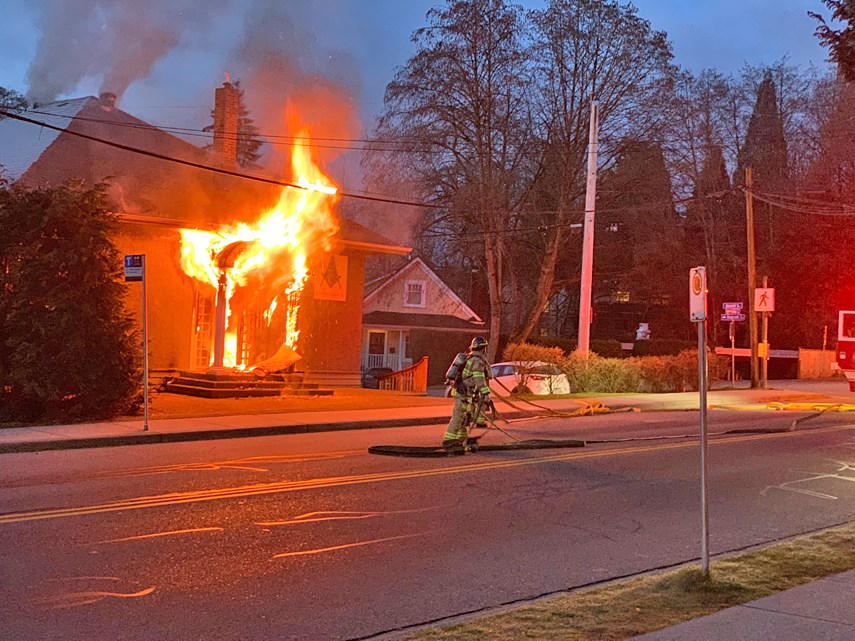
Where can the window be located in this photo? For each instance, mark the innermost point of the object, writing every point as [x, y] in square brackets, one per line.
[376, 342]
[414, 293]
[203, 336]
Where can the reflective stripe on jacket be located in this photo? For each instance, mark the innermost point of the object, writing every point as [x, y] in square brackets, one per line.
[476, 374]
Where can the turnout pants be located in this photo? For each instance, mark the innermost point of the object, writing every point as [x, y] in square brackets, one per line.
[461, 417]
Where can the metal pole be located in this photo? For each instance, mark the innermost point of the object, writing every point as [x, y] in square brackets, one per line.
[732, 354]
[702, 389]
[764, 370]
[588, 237]
[145, 347]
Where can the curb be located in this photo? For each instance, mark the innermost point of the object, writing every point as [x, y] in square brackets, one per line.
[153, 438]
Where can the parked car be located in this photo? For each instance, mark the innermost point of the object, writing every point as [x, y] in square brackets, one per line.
[528, 378]
[371, 376]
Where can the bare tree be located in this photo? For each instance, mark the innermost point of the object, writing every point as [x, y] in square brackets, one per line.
[588, 50]
[462, 100]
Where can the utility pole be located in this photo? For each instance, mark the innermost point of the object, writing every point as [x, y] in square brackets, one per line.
[752, 276]
[584, 340]
[764, 372]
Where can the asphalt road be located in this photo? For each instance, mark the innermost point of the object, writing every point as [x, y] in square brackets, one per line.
[310, 537]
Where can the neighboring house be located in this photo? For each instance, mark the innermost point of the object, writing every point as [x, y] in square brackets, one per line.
[413, 313]
[156, 198]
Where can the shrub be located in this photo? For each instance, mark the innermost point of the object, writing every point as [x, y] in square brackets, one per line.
[530, 353]
[69, 349]
[597, 374]
[662, 347]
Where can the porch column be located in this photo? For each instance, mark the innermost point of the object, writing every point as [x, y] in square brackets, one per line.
[220, 323]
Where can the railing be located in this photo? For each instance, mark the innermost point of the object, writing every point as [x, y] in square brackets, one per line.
[412, 379]
[380, 360]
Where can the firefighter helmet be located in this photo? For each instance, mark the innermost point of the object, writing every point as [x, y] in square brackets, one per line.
[479, 343]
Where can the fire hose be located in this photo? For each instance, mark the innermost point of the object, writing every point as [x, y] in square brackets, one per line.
[470, 444]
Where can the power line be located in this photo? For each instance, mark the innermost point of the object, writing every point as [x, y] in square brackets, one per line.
[218, 170]
[807, 206]
[273, 139]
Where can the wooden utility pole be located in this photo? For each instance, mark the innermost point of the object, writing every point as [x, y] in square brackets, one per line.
[764, 360]
[752, 276]
[585, 287]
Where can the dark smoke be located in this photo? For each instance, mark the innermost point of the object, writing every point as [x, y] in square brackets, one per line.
[118, 40]
[280, 64]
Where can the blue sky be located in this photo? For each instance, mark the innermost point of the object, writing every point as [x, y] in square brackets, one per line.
[361, 42]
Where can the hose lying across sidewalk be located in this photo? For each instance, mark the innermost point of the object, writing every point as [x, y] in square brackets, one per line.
[591, 409]
[587, 409]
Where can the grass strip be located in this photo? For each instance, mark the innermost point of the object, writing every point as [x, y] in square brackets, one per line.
[625, 609]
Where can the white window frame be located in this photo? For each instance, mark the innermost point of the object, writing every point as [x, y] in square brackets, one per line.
[423, 286]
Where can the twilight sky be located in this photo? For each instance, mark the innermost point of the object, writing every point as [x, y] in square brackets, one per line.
[355, 43]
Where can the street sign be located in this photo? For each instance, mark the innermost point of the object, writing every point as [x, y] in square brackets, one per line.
[731, 308]
[133, 268]
[764, 299]
[135, 272]
[698, 294]
[733, 317]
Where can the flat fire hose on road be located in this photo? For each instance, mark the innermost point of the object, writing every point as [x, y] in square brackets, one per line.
[472, 444]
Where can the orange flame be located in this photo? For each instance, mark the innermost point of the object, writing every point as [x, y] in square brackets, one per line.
[265, 264]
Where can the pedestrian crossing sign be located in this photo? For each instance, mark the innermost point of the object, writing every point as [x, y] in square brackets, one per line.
[764, 299]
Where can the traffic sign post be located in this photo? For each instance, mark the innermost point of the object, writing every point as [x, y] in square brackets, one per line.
[732, 313]
[764, 302]
[698, 314]
[135, 273]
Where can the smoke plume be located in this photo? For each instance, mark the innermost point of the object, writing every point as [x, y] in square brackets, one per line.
[117, 40]
[279, 64]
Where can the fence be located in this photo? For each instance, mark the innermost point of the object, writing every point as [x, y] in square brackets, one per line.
[817, 363]
[412, 379]
[391, 361]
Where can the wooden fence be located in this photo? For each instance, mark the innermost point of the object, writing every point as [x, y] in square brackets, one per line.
[411, 379]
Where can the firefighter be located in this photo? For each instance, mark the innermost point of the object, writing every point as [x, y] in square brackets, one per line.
[470, 390]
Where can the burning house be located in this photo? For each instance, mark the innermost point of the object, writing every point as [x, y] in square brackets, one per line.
[240, 273]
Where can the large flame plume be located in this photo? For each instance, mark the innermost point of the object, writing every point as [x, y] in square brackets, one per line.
[265, 265]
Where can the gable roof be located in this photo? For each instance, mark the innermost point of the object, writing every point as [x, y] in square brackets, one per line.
[417, 264]
[149, 190]
[20, 148]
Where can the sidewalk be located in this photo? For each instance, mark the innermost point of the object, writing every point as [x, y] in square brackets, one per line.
[369, 409]
[818, 611]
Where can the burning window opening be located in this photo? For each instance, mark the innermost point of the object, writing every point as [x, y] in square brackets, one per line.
[259, 270]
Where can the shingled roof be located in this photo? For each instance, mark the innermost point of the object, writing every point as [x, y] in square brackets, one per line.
[146, 189]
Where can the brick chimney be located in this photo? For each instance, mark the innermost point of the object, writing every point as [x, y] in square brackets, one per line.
[107, 100]
[226, 107]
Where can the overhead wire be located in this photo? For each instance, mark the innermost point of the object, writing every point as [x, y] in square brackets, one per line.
[274, 139]
[204, 167]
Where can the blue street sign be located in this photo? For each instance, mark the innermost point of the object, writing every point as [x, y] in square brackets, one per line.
[733, 317]
[133, 268]
[729, 306]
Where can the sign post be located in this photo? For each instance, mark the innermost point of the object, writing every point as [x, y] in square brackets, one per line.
[698, 314]
[135, 273]
[764, 302]
[732, 313]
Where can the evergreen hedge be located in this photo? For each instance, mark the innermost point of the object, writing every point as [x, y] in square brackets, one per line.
[69, 350]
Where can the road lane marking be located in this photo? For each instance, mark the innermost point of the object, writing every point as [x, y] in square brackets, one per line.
[839, 474]
[345, 546]
[259, 489]
[250, 463]
[74, 599]
[315, 517]
[159, 534]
